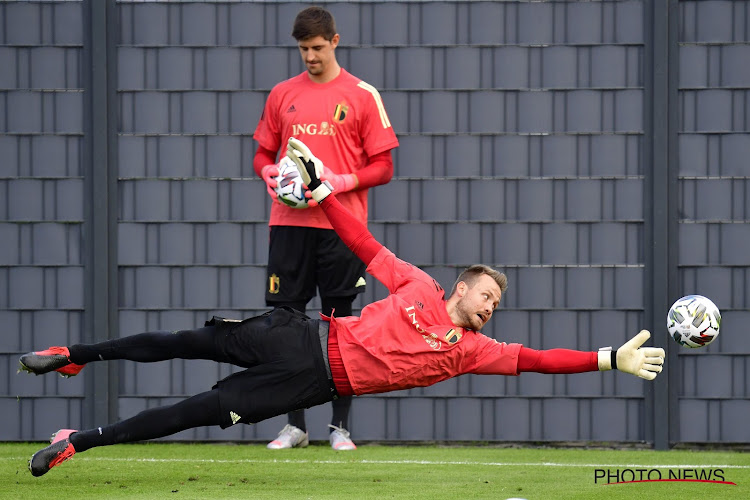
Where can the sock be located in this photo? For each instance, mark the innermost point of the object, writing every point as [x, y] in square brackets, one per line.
[297, 419]
[341, 407]
[200, 410]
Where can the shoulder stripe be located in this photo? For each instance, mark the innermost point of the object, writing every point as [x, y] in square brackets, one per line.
[378, 102]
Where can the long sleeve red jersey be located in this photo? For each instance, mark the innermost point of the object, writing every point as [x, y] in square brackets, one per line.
[408, 339]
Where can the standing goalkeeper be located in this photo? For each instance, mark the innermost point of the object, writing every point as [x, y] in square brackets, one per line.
[344, 119]
[415, 337]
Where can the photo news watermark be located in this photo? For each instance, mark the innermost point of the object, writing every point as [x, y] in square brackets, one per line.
[654, 475]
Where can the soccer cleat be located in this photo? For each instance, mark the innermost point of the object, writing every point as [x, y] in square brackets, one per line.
[53, 359]
[340, 440]
[289, 437]
[56, 453]
[61, 434]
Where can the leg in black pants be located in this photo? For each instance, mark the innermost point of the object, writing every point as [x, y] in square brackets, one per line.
[201, 343]
[200, 410]
[197, 411]
[341, 306]
[341, 406]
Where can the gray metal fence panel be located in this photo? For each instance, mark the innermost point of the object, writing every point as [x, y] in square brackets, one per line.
[521, 128]
[713, 194]
[42, 210]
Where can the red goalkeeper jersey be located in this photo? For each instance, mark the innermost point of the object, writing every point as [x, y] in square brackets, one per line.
[408, 340]
[343, 121]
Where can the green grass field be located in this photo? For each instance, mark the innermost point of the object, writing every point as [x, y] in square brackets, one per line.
[197, 471]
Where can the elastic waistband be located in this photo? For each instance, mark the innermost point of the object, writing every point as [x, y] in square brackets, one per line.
[338, 372]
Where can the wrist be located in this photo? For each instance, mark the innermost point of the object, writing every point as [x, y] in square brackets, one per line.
[341, 183]
[321, 192]
[604, 359]
[351, 182]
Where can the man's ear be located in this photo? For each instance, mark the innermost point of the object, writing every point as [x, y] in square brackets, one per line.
[461, 288]
[335, 40]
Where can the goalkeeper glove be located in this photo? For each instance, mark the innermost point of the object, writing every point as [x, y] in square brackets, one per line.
[269, 173]
[310, 168]
[644, 362]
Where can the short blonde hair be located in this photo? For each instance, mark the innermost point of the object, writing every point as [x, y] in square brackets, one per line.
[472, 273]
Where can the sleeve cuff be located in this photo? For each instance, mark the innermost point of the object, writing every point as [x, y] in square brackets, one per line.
[605, 359]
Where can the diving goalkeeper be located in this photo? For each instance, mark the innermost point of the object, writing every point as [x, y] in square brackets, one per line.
[414, 337]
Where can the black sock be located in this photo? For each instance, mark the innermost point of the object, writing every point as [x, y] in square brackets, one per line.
[297, 419]
[200, 410]
[341, 306]
[341, 408]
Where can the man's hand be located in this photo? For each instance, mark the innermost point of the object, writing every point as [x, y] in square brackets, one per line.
[644, 362]
[310, 168]
[269, 173]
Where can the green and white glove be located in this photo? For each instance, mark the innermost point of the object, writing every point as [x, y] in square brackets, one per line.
[644, 362]
[310, 168]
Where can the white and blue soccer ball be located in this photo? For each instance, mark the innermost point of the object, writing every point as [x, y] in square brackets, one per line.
[289, 185]
[694, 321]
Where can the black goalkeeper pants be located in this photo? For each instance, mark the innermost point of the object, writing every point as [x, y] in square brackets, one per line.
[284, 370]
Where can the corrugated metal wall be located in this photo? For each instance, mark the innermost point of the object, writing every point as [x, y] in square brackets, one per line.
[42, 208]
[522, 146]
[714, 211]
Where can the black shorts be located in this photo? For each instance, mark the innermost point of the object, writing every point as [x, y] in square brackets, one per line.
[299, 258]
[285, 367]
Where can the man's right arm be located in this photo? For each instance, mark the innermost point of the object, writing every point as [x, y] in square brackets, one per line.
[353, 233]
[263, 157]
[264, 165]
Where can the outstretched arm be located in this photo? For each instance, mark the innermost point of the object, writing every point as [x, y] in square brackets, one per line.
[352, 232]
[631, 357]
[556, 361]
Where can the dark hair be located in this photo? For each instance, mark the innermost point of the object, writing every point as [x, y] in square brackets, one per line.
[312, 22]
[472, 273]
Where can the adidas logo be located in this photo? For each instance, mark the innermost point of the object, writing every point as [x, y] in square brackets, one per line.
[360, 282]
[235, 418]
[291, 109]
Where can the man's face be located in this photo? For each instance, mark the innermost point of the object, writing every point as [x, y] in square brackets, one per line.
[318, 53]
[476, 305]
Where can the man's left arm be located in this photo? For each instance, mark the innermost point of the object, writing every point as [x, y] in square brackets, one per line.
[631, 357]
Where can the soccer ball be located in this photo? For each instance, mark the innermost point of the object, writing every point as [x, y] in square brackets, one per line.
[289, 185]
[694, 321]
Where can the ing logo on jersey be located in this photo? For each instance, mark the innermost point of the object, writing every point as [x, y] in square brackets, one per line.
[322, 128]
[434, 343]
[340, 112]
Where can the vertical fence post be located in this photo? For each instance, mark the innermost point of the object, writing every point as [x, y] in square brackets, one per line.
[100, 189]
[660, 211]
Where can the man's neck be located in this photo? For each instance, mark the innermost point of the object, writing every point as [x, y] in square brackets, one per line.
[327, 76]
[450, 307]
